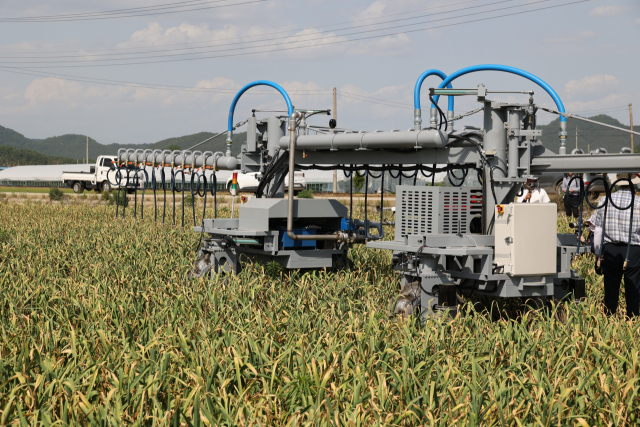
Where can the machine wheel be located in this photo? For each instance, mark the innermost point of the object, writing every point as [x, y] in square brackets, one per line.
[105, 187]
[78, 188]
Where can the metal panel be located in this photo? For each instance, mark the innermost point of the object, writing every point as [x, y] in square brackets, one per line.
[252, 137]
[526, 239]
[255, 214]
[435, 210]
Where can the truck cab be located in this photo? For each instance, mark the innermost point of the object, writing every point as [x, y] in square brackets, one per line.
[96, 179]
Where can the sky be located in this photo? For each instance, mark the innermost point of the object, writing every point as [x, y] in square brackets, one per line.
[175, 66]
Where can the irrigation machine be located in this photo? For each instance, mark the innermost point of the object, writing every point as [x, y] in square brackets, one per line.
[448, 239]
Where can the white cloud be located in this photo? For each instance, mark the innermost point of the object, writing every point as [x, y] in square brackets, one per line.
[607, 11]
[591, 107]
[591, 84]
[49, 89]
[637, 21]
[572, 38]
[309, 43]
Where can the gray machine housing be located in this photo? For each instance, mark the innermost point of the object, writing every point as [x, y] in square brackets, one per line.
[258, 234]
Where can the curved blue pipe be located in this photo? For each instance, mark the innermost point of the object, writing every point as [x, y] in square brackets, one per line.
[506, 69]
[416, 91]
[249, 86]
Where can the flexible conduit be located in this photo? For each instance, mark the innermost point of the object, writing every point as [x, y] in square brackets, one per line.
[418, 88]
[237, 98]
[506, 69]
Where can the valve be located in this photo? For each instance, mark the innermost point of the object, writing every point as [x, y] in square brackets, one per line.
[500, 209]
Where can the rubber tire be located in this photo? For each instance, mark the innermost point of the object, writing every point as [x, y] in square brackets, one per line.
[105, 186]
[78, 188]
[559, 189]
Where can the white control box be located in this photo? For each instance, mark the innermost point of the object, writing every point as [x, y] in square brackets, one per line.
[526, 238]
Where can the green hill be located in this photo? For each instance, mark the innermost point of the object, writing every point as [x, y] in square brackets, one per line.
[12, 156]
[589, 135]
[74, 146]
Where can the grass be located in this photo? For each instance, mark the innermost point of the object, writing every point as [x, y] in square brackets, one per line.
[6, 189]
[99, 326]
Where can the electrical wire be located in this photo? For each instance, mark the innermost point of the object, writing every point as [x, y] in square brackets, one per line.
[127, 13]
[301, 44]
[262, 35]
[298, 36]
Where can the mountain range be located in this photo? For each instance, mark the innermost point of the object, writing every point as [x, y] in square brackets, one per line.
[71, 147]
[74, 147]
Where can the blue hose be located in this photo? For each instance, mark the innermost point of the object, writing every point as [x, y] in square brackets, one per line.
[507, 69]
[249, 86]
[416, 91]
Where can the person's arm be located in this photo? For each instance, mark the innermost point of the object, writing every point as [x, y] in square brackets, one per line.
[564, 185]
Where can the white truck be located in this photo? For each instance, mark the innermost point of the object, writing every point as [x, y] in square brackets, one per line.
[96, 179]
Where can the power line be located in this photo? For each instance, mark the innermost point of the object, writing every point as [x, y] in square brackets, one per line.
[151, 85]
[298, 39]
[261, 34]
[307, 46]
[370, 99]
[110, 15]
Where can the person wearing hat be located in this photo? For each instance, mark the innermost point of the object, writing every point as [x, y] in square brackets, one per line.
[533, 193]
[615, 262]
[571, 195]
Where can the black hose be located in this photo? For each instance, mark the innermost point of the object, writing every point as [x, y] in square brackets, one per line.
[154, 183]
[136, 182]
[182, 191]
[451, 174]
[214, 193]
[164, 192]
[382, 200]
[607, 192]
[144, 189]
[351, 201]
[173, 192]
[633, 198]
[118, 181]
[443, 118]
[580, 204]
[366, 192]
[193, 194]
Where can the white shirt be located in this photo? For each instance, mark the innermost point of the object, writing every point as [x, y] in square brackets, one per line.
[537, 196]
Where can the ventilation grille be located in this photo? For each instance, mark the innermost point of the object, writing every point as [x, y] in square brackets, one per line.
[437, 210]
[417, 212]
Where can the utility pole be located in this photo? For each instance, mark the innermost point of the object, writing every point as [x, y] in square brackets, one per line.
[87, 149]
[335, 117]
[631, 125]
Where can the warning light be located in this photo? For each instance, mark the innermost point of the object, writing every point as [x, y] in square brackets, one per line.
[243, 199]
[234, 184]
[500, 209]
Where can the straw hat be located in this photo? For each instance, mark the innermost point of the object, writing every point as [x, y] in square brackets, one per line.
[635, 179]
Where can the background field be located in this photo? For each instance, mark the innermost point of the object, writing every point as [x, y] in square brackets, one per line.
[99, 325]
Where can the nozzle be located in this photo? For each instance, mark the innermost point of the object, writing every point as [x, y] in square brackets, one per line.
[624, 266]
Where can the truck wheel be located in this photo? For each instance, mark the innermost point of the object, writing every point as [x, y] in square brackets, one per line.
[78, 188]
[106, 187]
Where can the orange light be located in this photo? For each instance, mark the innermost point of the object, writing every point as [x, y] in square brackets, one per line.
[500, 209]
[234, 180]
